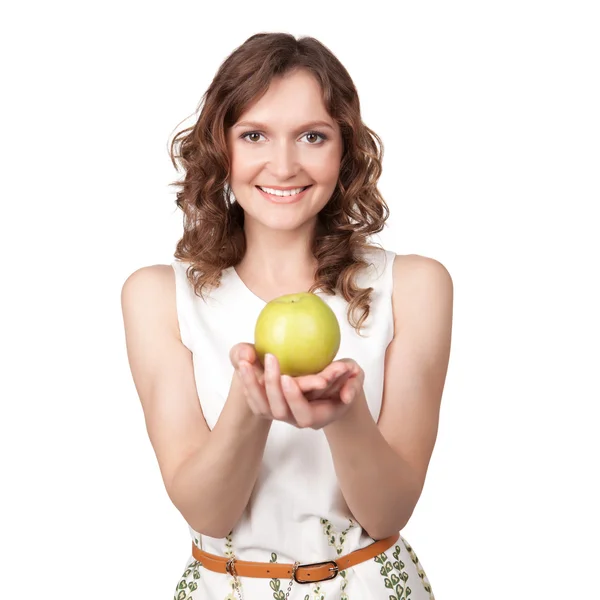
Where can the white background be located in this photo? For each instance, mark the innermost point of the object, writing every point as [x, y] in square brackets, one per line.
[489, 114]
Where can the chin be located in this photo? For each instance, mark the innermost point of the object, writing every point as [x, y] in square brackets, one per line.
[283, 222]
[285, 225]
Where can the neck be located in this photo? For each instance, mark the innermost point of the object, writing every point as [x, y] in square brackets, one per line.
[276, 255]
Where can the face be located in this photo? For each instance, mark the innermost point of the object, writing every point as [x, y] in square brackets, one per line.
[276, 143]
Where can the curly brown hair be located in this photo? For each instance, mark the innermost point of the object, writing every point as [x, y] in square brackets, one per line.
[213, 237]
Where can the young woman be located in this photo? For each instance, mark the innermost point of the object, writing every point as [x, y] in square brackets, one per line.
[292, 487]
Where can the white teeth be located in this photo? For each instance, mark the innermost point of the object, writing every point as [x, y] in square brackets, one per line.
[281, 192]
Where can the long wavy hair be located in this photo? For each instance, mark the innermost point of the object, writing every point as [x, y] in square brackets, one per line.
[213, 237]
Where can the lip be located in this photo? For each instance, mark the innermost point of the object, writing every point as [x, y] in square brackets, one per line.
[280, 188]
[284, 199]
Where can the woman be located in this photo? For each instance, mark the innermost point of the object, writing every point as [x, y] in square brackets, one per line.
[274, 473]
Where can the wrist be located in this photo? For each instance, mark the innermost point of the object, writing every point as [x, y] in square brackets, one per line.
[352, 418]
[240, 406]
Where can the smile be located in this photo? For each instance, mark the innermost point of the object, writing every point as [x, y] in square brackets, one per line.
[284, 197]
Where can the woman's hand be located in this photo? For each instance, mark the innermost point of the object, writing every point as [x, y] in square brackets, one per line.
[305, 401]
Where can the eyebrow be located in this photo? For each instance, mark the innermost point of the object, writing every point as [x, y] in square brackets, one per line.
[256, 125]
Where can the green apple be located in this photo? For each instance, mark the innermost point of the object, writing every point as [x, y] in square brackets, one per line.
[301, 330]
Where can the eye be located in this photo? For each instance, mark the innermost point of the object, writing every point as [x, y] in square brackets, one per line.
[247, 137]
[316, 133]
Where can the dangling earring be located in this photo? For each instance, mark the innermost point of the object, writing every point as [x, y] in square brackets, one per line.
[229, 195]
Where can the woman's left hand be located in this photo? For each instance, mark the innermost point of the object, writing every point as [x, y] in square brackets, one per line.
[311, 400]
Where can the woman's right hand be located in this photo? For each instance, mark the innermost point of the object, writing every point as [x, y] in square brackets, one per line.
[268, 401]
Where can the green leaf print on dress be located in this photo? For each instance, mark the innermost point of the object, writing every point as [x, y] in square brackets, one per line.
[394, 581]
[331, 534]
[338, 544]
[420, 570]
[316, 593]
[229, 553]
[275, 584]
[396, 578]
[188, 582]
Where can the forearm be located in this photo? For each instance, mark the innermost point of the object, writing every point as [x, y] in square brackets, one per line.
[380, 488]
[213, 486]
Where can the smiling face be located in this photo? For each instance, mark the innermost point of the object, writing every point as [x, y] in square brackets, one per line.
[285, 140]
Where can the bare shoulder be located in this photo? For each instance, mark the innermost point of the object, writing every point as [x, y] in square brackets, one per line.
[417, 278]
[412, 265]
[422, 288]
[152, 273]
[152, 285]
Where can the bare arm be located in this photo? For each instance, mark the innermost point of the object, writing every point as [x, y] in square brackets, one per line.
[381, 467]
[213, 485]
[208, 475]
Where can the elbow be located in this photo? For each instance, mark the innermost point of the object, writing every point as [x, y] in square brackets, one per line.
[385, 529]
[207, 525]
[197, 518]
[213, 532]
[204, 524]
[381, 534]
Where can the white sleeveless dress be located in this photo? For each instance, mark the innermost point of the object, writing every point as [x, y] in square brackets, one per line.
[296, 511]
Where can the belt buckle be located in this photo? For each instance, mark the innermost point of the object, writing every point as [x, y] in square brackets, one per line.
[335, 569]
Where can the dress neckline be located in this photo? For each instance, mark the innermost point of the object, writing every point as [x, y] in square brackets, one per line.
[251, 294]
[245, 288]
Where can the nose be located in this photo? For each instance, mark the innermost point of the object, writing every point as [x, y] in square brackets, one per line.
[283, 162]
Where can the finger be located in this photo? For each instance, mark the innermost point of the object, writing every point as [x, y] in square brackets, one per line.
[255, 392]
[354, 368]
[334, 370]
[333, 391]
[274, 393]
[242, 376]
[242, 351]
[333, 382]
[299, 405]
[349, 390]
[249, 354]
[311, 382]
[320, 381]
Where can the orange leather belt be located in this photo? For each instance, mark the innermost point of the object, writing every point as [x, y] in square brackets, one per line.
[302, 573]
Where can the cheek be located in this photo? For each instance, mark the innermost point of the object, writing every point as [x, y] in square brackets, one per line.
[324, 168]
[242, 164]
